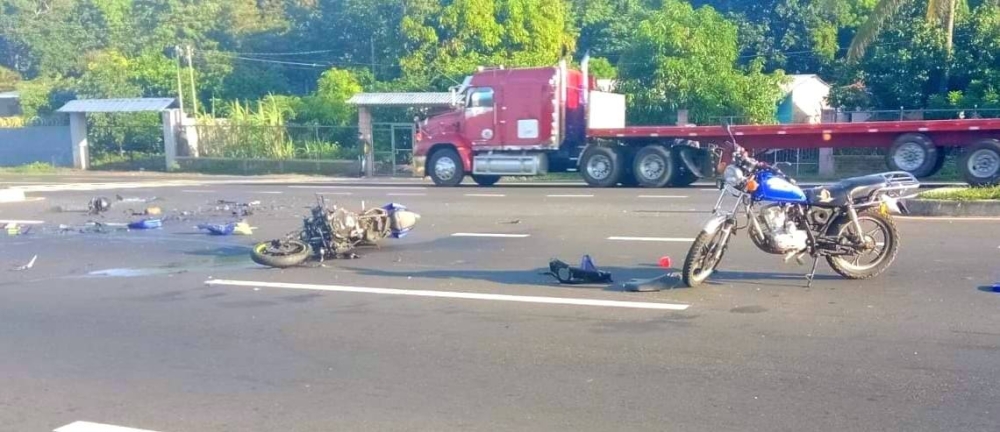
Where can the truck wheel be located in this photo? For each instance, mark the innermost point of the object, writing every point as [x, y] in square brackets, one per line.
[980, 164]
[445, 168]
[601, 166]
[684, 178]
[485, 180]
[654, 166]
[913, 153]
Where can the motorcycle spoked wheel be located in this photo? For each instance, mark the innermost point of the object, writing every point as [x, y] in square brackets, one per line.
[280, 253]
[881, 240]
[701, 262]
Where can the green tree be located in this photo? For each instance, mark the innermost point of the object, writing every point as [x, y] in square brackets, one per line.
[939, 12]
[8, 79]
[686, 58]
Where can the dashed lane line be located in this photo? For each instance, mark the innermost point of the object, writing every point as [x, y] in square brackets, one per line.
[653, 239]
[455, 295]
[491, 235]
[82, 426]
[20, 222]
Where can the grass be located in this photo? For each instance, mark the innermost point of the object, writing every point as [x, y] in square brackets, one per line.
[964, 194]
[32, 168]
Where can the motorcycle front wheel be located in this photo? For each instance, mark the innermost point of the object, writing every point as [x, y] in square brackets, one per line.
[280, 253]
[880, 244]
[702, 258]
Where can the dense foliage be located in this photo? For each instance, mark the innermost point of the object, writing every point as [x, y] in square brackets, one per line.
[713, 57]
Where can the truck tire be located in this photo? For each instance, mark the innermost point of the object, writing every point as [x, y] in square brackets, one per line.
[654, 166]
[445, 168]
[980, 163]
[914, 153]
[485, 180]
[683, 178]
[601, 166]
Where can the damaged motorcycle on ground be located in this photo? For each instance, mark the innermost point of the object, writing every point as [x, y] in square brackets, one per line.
[848, 223]
[335, 233]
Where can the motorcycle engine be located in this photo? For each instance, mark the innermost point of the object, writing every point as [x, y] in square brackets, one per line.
[344, 224]
[785, 236]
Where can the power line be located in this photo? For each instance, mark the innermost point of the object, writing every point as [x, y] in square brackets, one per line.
[279, 54]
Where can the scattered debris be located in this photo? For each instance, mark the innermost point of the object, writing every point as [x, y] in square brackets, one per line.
[665, 262]
[149, 211]
[13, 229]
[668, 281]
[238, 228]
[135, 199]
[238, 209]
[996, 287]
[146, 224]
[511, 222]
[98, 205]
[27, 266]
[587, 273]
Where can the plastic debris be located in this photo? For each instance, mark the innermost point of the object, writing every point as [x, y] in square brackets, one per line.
[146, 224]
[665, 262]
[135, 199]
[238, 228]
[668, 281]
[996, 287]
[152, 211]
[587, 273]
[13, 229]
[27, 266]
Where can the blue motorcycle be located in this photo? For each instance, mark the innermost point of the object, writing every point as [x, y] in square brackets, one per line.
[848, 223]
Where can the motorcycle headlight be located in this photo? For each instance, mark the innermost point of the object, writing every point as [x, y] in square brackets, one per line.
[733, 176]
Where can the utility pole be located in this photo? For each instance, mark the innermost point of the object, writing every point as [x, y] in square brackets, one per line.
[180, 85]
[194, 91]
[374, 70]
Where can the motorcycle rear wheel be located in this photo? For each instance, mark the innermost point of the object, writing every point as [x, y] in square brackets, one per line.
[700, 262]
[280, 253]
[850, 266]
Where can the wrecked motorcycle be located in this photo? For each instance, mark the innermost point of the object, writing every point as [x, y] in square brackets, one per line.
[335, 233]
[848, 223]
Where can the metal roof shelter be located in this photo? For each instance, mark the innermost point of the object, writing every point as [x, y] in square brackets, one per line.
[365, 101]
[118, 105]
[78, 109]
[401, 99]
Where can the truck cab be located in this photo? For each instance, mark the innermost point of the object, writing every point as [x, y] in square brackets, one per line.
[505, 122]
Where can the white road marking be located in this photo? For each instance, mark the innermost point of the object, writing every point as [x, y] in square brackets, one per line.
[197, 191]
[350, 187]
[20, 222]
[82, 426]
[663, 196]
[454, 294]
[405, 194]
[485, 195]
[653, 239]
[491, 235]
[569, 196]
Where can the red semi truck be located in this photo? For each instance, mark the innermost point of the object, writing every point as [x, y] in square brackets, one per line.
[530, 121]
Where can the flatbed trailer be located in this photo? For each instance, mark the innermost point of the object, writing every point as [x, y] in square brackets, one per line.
[531, 121]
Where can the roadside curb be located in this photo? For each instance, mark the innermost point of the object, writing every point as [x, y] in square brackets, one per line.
[12, 195]
[947, 208]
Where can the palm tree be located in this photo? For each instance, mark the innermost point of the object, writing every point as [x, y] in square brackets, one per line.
[941, 12]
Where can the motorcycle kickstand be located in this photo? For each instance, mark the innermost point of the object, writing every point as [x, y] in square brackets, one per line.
[812, 273]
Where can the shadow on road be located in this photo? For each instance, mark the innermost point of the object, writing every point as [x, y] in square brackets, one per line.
[533, 277]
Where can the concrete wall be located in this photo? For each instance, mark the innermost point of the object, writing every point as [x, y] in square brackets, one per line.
[49, 144]
[809, 100]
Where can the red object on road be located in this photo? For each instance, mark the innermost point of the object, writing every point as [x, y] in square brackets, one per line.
[665, 262]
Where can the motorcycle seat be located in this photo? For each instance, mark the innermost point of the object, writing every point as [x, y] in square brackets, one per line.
[840, 193]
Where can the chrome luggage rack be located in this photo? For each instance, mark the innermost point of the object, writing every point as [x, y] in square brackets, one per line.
[898, 183]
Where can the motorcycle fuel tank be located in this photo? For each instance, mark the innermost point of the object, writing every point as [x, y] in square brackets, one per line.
[776, 189]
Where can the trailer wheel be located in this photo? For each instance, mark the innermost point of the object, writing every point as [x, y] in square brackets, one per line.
[913, 153]
[601, 166]
[654, 166]
[980, 164]
[445, 168]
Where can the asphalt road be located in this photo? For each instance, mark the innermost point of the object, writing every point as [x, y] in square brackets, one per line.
[122, 329]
